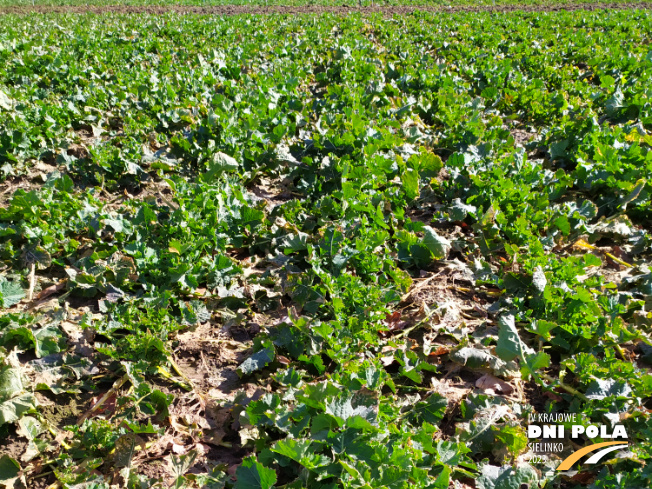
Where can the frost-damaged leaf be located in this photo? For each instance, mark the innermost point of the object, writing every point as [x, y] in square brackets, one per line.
[459, 210]
[510, 347]
[506, 477]
[9, 470]
[635, 192]
[5, 102]
[181, 464]
[38, 255]
[617, 227]
[162, 159]
[438, 245]
[471, 357]
[539, 279]
[12, 409]
[615, 102]
[293, 242]
[257, 361]
[599, 389]
[252, 475]
[30, 428]
[195, 312]
[14, 402]
[283, 154]
[220, 163]
[646, 352]
[509, 344]
[10, 292]
[124, 450]
[10, 382]
[47, 340]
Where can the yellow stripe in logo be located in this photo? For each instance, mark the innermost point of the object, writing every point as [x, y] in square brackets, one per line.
[570, 460]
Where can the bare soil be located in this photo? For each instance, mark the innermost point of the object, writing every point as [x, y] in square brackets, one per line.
[228, 10]
[12, 444]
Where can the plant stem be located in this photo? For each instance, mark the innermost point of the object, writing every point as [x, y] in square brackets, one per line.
[32, 281]
[407, 331]
[566, 387]
[113, 390]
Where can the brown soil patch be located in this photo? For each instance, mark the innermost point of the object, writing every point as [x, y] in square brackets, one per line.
[13, 445]
[210, 360]
[275, 193]
[34, 179]
[228, 10]
[521, 137]
[157, 470]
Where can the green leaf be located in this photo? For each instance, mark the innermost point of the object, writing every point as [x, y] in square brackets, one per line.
[543, 328]
[512, 437]
[431, 410]
[411, 183]
[343, 409]
[449, 452]
[538, 361]
[46, 341]
[535, 362]
[558, 149]
[300, 451]
[294, 449]
[429, 164]
[252, 475]
[438, 246]
[564, 226]
[9, 469]
[411, 373]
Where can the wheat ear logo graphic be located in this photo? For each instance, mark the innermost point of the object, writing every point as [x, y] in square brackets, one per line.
[611, 446]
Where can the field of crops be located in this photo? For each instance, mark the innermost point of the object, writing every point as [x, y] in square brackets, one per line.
[313, 3]
[324, 251]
